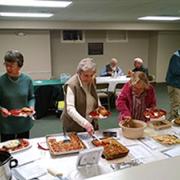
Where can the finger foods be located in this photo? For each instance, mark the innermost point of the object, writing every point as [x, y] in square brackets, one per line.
[167, 139]
[153, 113]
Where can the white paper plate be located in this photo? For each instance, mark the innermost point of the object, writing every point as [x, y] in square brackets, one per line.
[18, 150]
[158, 119]
[98, 117]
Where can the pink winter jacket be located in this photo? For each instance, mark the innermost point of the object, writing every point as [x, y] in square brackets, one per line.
[124, 101]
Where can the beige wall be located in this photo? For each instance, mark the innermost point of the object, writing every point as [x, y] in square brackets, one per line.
[35, 46]
[168, 43]
[46, 56]
[65, 56]
[152, 53]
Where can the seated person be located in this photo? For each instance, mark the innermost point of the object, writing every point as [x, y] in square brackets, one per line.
[138, 66]
[136, 95]
[112, 69]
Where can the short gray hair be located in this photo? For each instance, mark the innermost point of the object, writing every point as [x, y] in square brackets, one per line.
[114, 60]
[86, 64]
[138, 59]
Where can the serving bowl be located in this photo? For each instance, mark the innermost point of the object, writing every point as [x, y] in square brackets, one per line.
[137, 131]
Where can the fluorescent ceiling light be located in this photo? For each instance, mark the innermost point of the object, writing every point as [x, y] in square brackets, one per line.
[35, 3]
[159, 18]
[13, 14]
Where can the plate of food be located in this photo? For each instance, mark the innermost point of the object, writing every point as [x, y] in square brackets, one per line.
[167, 139]
[176, 121]
[58, 146]
[24, 112]
[100, 113]
[161, 124]
[112, 148]
[15, 145]
[155, 114]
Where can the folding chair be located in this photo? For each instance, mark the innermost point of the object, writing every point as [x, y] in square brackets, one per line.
[103, 94]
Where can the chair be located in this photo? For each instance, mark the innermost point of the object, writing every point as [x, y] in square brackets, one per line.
[118, 88]
[152, 79]
[103, 94]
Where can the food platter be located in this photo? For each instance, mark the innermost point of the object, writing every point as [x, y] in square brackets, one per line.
[161, 124]
[155, 114]
[16, 145]
[112, 148]
[99, 113]
[167, 139]
[57, 146]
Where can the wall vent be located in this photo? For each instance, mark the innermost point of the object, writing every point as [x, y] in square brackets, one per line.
[117, 36]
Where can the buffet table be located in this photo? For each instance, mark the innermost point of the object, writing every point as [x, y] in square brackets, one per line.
[149, 154]
[113, 81]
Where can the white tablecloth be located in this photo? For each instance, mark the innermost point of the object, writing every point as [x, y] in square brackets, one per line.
[66, 164]
[112, 81]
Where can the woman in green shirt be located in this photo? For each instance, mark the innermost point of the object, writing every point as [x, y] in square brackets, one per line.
[16, 92]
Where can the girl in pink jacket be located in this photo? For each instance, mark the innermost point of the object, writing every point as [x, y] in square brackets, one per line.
[135, 97]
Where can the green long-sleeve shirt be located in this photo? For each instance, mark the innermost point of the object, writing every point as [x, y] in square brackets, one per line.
[16, 94]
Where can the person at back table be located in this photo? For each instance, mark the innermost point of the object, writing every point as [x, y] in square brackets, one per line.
[138, 66]
[16, 93]
[112, 69]
[80, 99]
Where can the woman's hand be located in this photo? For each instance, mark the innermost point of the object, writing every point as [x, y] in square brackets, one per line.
[127, 118]
[89, 128]
[5, 112]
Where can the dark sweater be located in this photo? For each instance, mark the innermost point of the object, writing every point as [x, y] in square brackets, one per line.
[16, 94]
[173, 72]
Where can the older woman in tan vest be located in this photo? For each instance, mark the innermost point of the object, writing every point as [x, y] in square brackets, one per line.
[80, 99]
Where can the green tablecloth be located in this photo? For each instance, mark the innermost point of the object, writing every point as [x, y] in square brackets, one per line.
[38, 83]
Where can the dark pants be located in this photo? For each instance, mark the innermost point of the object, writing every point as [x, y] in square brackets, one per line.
[6, 137]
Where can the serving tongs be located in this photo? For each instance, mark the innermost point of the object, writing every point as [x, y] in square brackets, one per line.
[96, 138]
[66, 138]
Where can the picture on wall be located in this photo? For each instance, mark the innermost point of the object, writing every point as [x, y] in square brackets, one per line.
[95, 49]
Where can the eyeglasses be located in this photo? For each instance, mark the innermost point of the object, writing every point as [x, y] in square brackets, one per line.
[10, 65]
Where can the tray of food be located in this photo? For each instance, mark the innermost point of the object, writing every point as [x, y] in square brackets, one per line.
[112, 148]
[100, 113]
[167, 139]
[15, 145]
[59, 146]
[155, 114]
[161, 124]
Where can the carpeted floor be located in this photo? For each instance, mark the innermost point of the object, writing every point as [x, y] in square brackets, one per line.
[51, 124]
